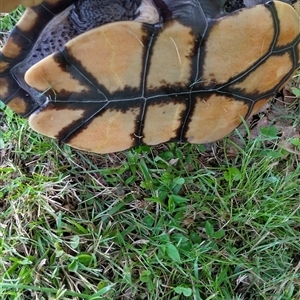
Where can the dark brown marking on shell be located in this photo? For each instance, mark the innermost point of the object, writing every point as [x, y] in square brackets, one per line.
[98, 92]
[164, 10]
[76, 126]
[256, 95]
[62, 59]
[92, 110]
[148, 42]
[167, 88]
[196, 72]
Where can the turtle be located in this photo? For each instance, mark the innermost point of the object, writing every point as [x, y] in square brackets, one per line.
[193, 76]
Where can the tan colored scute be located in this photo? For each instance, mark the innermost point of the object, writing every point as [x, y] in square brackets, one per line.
[215, 117]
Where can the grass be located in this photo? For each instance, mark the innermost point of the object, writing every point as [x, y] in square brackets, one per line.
[219, 221]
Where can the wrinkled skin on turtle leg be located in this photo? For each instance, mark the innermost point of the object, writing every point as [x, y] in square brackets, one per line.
[9, 5]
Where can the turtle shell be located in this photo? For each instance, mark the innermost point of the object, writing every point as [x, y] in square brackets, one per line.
[192, 78]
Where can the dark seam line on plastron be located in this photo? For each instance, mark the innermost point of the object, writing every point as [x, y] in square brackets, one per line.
[147, 58]
[197, 65]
